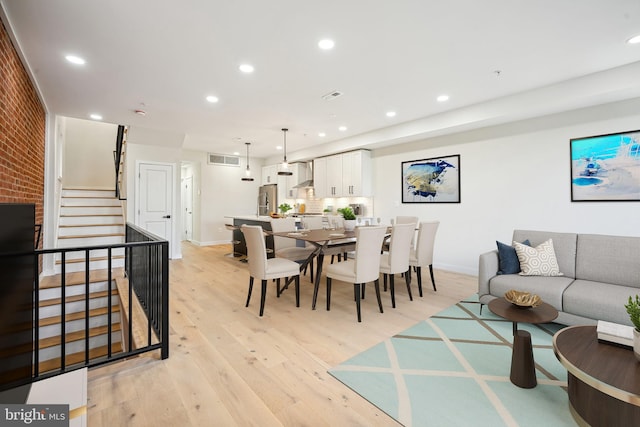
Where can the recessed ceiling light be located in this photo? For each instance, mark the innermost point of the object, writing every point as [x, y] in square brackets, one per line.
[322, 134]
[246, 68]
[391, 113]
[342, 128]
[278, 147]
[442, 98]
[634, 39]
[95, 116]
[326, 44]
[75, 59]
[212, 99]
[236, 153]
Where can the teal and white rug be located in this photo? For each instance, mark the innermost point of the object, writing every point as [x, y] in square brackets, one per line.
[453, 370]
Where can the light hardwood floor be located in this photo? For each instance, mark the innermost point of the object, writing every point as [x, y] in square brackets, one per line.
[227, 366]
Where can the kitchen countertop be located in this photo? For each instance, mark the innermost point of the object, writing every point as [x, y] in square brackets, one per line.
[264, 218]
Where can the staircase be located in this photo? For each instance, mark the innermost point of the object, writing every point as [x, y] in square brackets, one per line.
[88, 217]
[50, 318]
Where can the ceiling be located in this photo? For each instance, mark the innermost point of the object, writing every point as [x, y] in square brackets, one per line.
[498, 60]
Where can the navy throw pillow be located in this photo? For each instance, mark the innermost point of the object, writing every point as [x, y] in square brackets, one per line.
[508, 262]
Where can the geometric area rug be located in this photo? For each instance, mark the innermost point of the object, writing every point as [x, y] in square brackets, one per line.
[452, 369]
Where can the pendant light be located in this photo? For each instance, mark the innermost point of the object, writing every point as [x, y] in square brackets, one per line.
[247, 173]
[284, 166]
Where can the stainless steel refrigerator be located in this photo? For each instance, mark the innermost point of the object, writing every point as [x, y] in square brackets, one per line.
[268, 199]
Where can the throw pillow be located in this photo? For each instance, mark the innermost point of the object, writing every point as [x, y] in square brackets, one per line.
[538, 261]
[507, 259]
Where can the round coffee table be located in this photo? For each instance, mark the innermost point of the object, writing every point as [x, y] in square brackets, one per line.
[523, 368]
[604, 379]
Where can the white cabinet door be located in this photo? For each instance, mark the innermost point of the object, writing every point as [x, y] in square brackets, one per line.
[320, 185]
[299, 171]
[356, 174]
[269, 174]
[334, 176]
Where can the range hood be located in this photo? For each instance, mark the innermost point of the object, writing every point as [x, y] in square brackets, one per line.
[305, 184]
[309, 182]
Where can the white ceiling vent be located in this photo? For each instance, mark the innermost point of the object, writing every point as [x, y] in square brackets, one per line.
[223, 160]
[332, 95]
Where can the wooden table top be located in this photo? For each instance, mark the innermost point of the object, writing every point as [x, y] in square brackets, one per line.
[611, 369]
[544, 313]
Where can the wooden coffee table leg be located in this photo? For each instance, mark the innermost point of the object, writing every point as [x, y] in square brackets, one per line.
[523, 368]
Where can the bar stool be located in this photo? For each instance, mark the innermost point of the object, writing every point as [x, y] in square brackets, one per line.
[233, 253]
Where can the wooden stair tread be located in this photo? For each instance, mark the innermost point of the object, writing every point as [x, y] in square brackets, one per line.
[92, 259]
[89, 197]
[88, 236]
[77, 335]
[83, 188]
[89, 225]
[87, 215]
[90, 206]
[75, 298]
[78, 277]
[53, 320]
[74, 358]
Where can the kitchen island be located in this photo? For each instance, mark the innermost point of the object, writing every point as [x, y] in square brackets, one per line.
[239, 244]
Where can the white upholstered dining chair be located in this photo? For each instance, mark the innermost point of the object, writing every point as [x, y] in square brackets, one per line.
[422, 254]
[265, 269]
[364, 268]
[396, 260]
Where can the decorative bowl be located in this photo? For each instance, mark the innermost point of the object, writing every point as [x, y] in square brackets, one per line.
[522, 299]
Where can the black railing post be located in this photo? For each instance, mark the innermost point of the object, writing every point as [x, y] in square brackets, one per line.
[164, 352]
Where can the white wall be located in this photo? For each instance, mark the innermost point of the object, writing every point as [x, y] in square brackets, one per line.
[88, 156]
[512, 176]
[220, 192]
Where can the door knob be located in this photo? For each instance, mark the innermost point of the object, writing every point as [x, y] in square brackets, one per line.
[167, 216]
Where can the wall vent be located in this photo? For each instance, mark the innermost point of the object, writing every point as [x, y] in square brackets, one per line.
[223, 160]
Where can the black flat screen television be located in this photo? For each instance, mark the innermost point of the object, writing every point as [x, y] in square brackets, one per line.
[17, 281]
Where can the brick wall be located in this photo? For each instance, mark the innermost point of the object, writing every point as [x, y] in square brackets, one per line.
[22, 132]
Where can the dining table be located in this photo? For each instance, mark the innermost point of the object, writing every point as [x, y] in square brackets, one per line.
[321, 239]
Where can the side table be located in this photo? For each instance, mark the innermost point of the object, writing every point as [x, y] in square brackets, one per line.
[523, 368]
[604, 379]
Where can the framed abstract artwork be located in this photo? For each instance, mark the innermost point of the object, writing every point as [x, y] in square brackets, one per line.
[435, 180]
[606, 168]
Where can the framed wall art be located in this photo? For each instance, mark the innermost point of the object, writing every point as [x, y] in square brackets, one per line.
[606, 168]
[435, 180]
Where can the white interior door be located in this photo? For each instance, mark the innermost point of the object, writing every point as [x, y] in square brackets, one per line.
[187, 208]
[155, 183]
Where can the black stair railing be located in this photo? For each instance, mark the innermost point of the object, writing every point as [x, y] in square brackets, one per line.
[117, 156]
[147, 270]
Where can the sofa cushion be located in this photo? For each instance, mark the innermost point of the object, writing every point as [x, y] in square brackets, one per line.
[609, 259]
[507, 259]
[538, 261]
[597, 300]
[550, 289]
[564, 246]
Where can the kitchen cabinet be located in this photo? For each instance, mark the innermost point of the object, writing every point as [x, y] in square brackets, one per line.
[343, 175]
[299, 175]
[356, 174]
[320, 177]
[269, 174]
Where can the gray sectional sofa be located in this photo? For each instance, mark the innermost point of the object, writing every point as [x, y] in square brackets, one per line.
[599, 274]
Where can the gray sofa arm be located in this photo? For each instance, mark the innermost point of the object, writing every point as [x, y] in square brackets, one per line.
[487, 268]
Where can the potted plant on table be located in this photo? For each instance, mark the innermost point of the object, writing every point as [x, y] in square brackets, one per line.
[633, 309]
[284, 208]
[349, 218]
